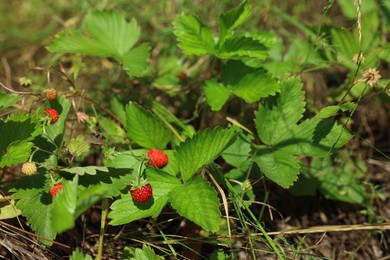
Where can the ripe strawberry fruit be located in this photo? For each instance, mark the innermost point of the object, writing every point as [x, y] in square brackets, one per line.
[29, 168]
[182, 76]
[157, 158]
[53, 114]
[51, 94]
[55, 189]
[142, 194]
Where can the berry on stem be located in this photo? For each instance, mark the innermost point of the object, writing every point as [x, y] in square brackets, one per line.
[157, 158]
[142, 194]
[51, 94]
[55, 189]
[53, 114]
[29, 168]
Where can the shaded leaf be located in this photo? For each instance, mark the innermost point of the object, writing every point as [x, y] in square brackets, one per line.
[278, 166]
[242, 47]
[216, 94]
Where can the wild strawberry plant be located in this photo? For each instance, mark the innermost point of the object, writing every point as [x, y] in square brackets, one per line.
[151, 159]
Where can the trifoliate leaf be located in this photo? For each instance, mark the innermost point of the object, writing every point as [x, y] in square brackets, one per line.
[254, 86]
[198, 202]
[238, 153]
[216, 94]
[278, 166]
[145, 129]
[202, 149]
[193, 36]
[135, 61]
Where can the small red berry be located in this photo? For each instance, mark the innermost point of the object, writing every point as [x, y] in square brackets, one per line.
[142, 194]
[157, 158]
[182, 76]
[29, 168]
[51, 94]
[55, 189]
[53, 114]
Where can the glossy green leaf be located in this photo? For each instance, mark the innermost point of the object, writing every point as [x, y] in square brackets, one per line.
[125, 210]
[193, 36]
[255, 86]
[278, 166]
[144, 128]
[17, 152]
[202, 149]
[216, 94]
[197, 201]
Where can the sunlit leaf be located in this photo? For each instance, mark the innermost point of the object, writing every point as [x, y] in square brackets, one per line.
[198, 202]
[202, 149]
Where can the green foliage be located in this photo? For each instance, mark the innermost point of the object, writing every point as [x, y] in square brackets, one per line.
[110, 35]
[146, 253]
[202, 149]
[144, 128]
[198, 202]
[7, 100]
[78, 255]
[18, 132]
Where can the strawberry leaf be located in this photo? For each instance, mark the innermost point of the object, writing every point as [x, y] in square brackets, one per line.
[16, 133]
[256, 85]
[240, 47]
[125, 210]
[144, 128]
[33, 199]
[55, 132]
[89, 170]
[232, 19]
[193, 36]
[280, 113]
[198, 202]
[202, 149]
[7, 100]
[64, 205]
[216, 94]
[278, 166]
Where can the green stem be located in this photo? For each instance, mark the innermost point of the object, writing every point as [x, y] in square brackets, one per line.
[102, 227]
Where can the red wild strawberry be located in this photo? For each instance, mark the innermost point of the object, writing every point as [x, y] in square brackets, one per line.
[51, 94]
[182, 76]
[55, 189]
[29, 168]
[157, 158]
[53, 114]
[142, 194]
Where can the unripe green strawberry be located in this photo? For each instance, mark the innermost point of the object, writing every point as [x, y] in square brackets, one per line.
[53, 114]
[51, 94]
[29, 168]
[142, 194]
[55, 189]
[157, 158]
